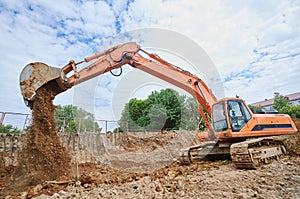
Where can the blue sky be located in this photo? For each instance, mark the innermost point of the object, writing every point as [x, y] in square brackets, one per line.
[255, 45]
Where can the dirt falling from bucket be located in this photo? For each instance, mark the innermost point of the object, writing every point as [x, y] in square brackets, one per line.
[43, 158]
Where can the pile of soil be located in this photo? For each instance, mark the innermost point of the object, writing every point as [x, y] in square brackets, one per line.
[140, 152]
[292, 142]
[43, 158]
[136, 143]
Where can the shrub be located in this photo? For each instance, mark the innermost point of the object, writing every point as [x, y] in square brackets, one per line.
[9, 129]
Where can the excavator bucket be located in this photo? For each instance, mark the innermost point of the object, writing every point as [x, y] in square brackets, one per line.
[34, 76]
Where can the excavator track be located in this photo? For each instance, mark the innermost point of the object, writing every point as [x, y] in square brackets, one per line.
[201, 151]
[250, 154]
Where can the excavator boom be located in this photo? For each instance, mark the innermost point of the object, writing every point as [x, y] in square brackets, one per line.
[36, 75]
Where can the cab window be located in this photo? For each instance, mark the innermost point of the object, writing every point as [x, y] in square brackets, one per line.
[238, 114]
[219, 118]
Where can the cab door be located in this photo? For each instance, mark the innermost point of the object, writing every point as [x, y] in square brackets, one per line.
[238, 114]
[219, 117]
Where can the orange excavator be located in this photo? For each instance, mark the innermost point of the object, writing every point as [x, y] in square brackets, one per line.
[232, 129]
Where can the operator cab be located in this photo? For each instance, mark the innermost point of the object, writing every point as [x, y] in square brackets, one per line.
[231, 113]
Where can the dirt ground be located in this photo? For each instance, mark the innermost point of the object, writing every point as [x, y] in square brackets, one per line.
[280, 179]
[201, 180]
[140, 167]
[218, 179]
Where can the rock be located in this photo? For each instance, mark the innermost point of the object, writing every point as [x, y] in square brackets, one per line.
[24, 195]
[158, 188]
[101, 192]
[85, 179]
[181, 194]
[157, 196]
[135, 187]
[255, 194]
[55, 195]
[262, 180]
[242, 196]
[37, 189]
[112, 192]
[62, 192]
[295, 178]
[258, 190]
[77, 183]
[179, 185]
[171, 174]
[281, 183]
[289, 163]
[234, 190]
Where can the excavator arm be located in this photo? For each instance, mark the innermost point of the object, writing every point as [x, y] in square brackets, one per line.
[35, 75]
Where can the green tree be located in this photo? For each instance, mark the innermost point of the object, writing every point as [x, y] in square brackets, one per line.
[70, 118]
[283, 106]
[126, 123]
[158, 118]
[161, 111]
[255, 108]
[191, 119]
[9, 129]
[165, 105]
[138, 112]
[118, 130]
[280, 101]
[293, 111]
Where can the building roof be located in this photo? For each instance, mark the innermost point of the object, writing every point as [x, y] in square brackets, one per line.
[270, 102]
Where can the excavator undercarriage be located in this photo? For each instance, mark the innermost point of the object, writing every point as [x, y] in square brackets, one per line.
[252, 153]
[205, 150]
[248, 154]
